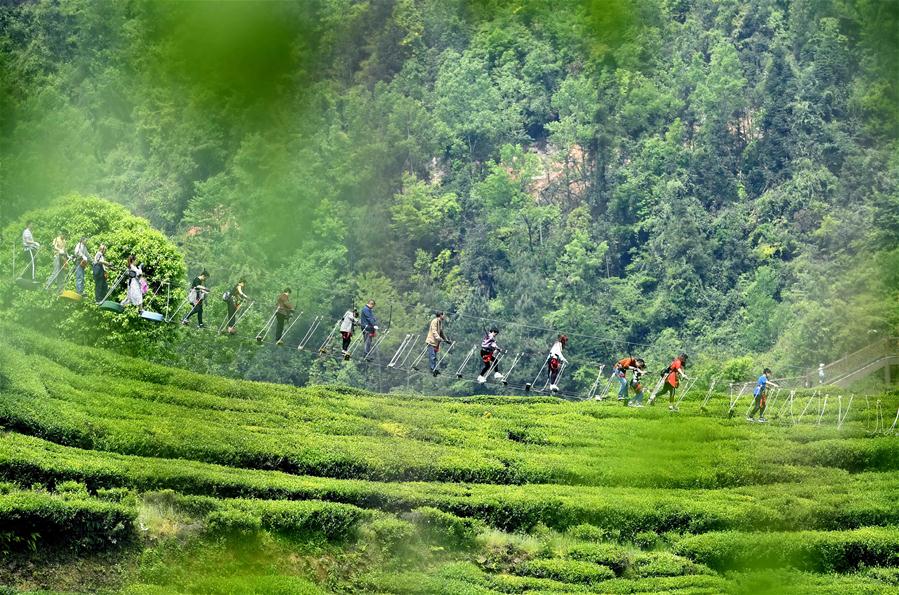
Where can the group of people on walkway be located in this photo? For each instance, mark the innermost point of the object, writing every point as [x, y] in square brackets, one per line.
[628, 371]
[80, 260]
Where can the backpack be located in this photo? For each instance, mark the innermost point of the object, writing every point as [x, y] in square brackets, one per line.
[488, 342]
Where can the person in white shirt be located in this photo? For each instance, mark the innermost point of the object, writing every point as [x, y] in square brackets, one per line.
[133, 273]
[29, 245]
[82, 259]
[555, 361]
[350, 320]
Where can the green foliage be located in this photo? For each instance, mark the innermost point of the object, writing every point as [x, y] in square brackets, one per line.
[455, 531]
[568, 571]
[71, 519]
[838, 551]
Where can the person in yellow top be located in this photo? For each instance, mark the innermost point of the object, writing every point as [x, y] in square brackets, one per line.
[60, 260]
[436, 336]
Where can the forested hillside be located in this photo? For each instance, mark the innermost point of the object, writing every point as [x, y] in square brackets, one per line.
[715, 176]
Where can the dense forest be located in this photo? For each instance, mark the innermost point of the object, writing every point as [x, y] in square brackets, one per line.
[716, 176]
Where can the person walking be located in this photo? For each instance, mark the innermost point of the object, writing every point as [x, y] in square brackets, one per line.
[100, 274]
[761, 396]
[821, 373]
[369, 325]
[235, 298]
[489, 350]
[436, 336]
[197, 297]
[283, 312]
[673, 374]
[637, 384]
[82, 259]
[347, 324]
[556, 361]
[30, 246]
[620, 370]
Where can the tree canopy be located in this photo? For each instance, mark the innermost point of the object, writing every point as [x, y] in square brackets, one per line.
[718, 176]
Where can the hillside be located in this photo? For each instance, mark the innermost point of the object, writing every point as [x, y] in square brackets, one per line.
[123, 475]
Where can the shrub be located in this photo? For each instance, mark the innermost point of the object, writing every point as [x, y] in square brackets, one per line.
[231, 521]
[568, 571]
[820, 551]
[390, 533]
[605, 554]
[75, 522]
[646, 539]
[447, 528]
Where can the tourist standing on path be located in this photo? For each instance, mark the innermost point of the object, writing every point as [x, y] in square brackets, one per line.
[282, 313]
[82, 259]
[347, 323]
[369, 325]
[29, 245]
[101, 276]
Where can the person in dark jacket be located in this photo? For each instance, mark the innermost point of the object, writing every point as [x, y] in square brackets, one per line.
[197, 296]
[369, 324]
[236, 298]
[100, 273]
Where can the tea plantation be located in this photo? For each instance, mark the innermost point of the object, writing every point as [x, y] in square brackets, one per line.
[122, 476]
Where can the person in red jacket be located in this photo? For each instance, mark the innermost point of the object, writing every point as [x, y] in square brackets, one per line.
[673, 375]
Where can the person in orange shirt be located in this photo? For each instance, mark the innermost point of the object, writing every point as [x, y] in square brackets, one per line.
[673, 374]
[620, 369]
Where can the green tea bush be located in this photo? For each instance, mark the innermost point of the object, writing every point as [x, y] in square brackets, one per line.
[606, 554]
[390, 533]
[447, 528]
[819, 551]
[332, 520]
[587, 532]
[664, 564]
[828, 503]
[69, 521]
[231, 521]
[567, 571]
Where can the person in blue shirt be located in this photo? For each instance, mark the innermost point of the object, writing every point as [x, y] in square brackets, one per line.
[369, 324]
[761, 395]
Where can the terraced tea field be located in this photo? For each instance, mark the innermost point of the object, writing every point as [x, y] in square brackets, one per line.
[120, 475]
